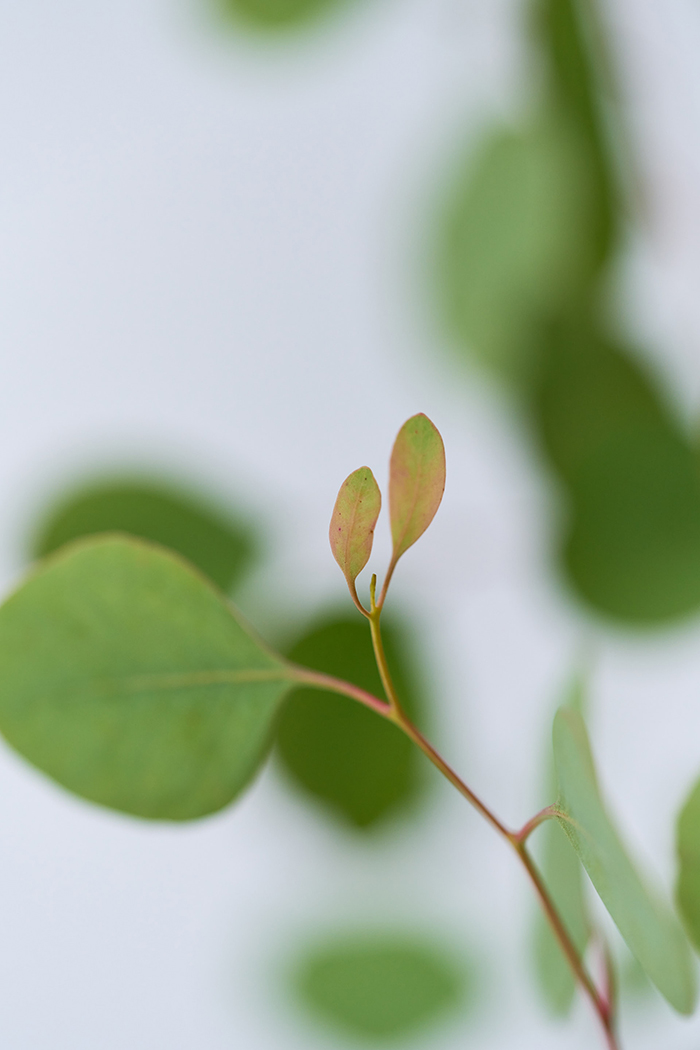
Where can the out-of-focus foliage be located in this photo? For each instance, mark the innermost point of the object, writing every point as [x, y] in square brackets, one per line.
[275, 14]
[650, 929]
[530, 224]
[516, 243]
[529, 234]
[688, 884]
[222, 546]
[563, 875]
[380, 987]
[129, 679]
[361, 767]
[632, 539]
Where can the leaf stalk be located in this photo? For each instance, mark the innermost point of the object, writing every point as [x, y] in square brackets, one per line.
[602, 1002]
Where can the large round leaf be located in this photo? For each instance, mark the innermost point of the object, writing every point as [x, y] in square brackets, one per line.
[128, 678]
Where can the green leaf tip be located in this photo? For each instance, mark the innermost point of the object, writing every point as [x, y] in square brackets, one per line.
[646, 923]
[128, 678]
[416, 481]
[352, 525]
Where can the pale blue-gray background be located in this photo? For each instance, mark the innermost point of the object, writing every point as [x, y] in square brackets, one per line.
[211, 260]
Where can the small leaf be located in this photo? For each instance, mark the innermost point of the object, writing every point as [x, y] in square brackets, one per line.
[129, 679]
[352, 523]
[416, 481]
[688, 885]
[359, 766]
[650, 929]
[213, 540]
[563, 875]
[380, 987]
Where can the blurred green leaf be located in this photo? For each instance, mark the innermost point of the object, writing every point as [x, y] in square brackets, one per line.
[563, 874]
[380, 987]
[416, 481]
[222, 547]
[688, 845]
[275, 14]
[129, 679]
[579, 88]
[361, 767]
[632, 542]
[516, 244]
[646, 923]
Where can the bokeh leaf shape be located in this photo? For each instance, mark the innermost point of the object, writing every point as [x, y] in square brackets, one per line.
[127, 677]
[563, 875]
[360, 767]
[517, 242]
[580, 87]
[648, 926]
[416, 481]
[380, 987]
[631, 542]
[353, 520]
[219, 544]
[275, 15]
[688, 847]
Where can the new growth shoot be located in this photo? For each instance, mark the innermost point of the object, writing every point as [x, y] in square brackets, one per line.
[416, 486]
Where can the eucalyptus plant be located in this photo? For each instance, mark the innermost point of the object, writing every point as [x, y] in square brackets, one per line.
[132, 681]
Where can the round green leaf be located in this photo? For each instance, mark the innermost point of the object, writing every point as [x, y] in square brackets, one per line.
[380, 987]
[130, 680]
[358, 765]
[650, 929]
[218, 544]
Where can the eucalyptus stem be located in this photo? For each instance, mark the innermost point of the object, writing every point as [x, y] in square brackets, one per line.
[392, 710]
[602, 1004]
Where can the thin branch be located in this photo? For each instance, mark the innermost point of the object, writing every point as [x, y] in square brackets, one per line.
[319, 680]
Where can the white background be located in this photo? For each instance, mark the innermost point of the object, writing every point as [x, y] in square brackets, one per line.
[212, 259]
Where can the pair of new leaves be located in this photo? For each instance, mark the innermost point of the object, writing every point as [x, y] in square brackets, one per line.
[416, 486]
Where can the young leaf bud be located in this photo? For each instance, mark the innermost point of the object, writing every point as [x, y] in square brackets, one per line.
[352, 524]
[416, 481]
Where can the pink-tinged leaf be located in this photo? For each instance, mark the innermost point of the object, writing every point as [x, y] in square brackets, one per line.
[352, 525]
[416, 481]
